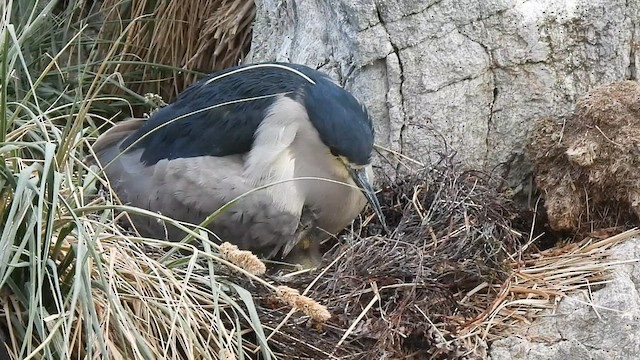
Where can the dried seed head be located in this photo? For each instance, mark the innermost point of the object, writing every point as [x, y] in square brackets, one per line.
[303, 303]
[244, 259]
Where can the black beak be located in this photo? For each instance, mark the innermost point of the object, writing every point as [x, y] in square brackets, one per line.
[362, 180]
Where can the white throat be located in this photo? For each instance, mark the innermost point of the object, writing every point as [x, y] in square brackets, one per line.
[287, 146]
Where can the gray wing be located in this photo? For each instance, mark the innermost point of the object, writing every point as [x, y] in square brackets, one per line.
[190, 189]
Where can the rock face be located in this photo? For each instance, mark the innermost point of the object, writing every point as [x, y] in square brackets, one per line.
[604, 325]
[474, 74]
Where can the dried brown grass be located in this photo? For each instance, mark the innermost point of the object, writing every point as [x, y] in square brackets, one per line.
[187, 37]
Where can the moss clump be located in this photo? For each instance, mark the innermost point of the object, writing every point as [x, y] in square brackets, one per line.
[587, 163]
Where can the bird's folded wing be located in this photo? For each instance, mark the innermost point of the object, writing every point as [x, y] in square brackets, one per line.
[191, 189]
[194, 188]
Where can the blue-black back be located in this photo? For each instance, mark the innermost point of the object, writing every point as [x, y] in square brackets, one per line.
[343, 124]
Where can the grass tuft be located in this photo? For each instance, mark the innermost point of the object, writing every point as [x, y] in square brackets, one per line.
[73, 283]
[164, 46]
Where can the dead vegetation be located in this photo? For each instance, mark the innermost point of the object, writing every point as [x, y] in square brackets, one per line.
[453, 276]
[167, 43]
[586, 163]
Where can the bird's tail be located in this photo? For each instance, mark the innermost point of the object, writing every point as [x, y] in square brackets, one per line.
[111, 137]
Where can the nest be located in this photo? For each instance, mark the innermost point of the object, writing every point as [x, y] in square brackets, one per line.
[456, 274]
[586, 163]
[405, 294]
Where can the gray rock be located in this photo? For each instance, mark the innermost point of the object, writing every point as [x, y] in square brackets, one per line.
[603, 325]
[474, 74]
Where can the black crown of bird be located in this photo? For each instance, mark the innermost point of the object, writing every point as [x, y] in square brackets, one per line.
[285, 129]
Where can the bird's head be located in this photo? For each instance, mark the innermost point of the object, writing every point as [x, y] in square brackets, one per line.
[345, 127]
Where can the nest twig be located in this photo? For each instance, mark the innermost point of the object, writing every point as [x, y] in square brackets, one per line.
[402, 293]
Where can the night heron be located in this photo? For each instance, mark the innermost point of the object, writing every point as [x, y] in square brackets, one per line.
[240, 129]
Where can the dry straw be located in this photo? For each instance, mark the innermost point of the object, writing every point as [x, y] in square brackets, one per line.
[188, 36]
[538, 282]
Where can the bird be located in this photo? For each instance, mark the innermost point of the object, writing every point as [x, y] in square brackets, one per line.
[290, 145]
